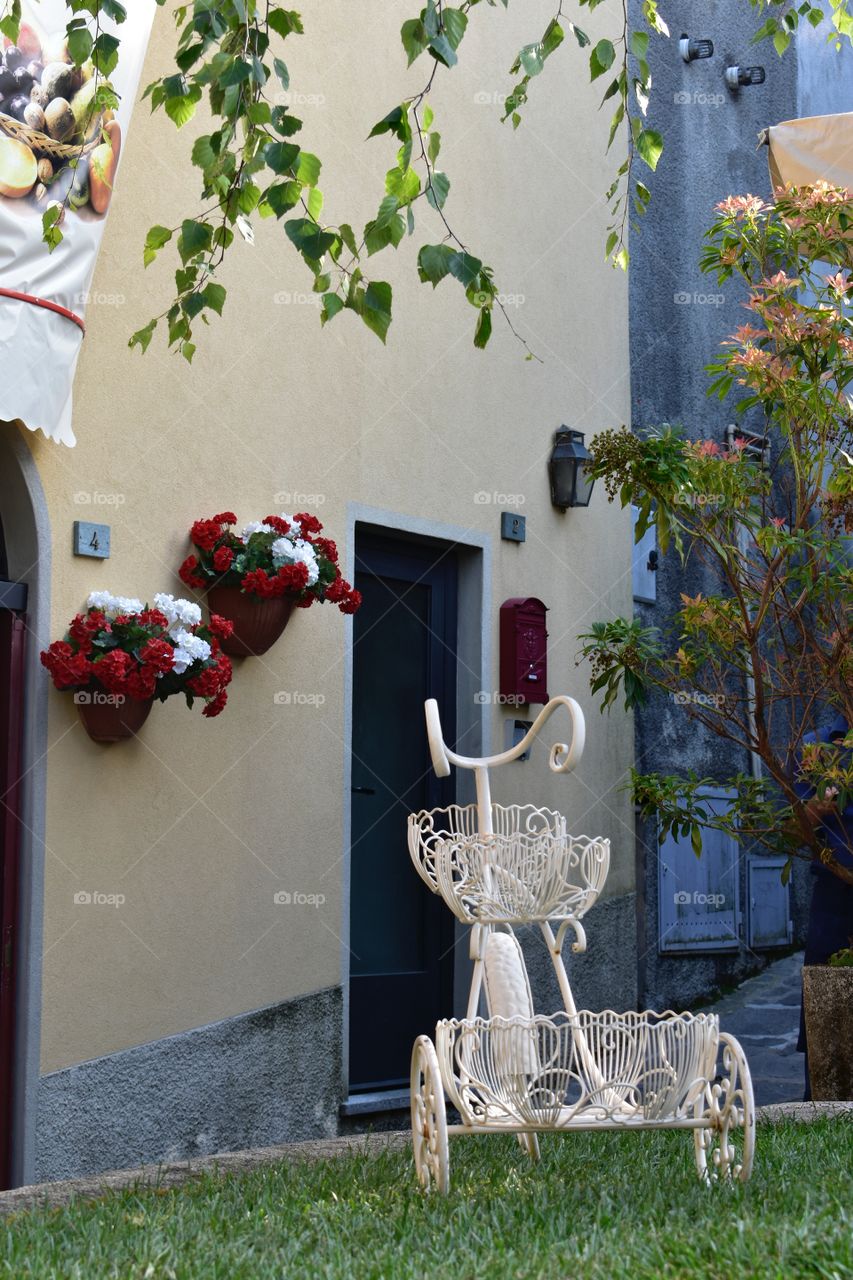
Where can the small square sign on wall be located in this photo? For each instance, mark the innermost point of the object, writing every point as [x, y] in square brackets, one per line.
[91, 539]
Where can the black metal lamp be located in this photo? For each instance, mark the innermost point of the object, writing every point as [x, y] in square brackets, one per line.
[567, 469]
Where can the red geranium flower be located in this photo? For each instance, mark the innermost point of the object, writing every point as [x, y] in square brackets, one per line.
[337, 590]
[141, 683]
[206, 684]
[221, 627]
[213, 708]
[206, 533]
[352, 603]
[281, 527]
[187, 573]
[153, 618]
[112, 670]
[327, 548]
[159, 655]
[310, 524]
[225, 517]
[81, 633]
[293, 577]
[258, 583]
[222, 558]
[67, 668]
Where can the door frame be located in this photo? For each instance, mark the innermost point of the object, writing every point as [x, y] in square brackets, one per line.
[26, 529]
[473, 720]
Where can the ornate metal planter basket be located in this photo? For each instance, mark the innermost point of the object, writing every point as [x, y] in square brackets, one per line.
[518, 1072]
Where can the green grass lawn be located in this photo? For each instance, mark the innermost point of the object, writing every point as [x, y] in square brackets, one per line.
[606, 1205]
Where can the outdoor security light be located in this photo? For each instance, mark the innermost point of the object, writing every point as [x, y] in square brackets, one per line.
[740, 77]
[570, 484]
[691, 50]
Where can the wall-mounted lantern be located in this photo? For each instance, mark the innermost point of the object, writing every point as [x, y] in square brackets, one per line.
[567, 470]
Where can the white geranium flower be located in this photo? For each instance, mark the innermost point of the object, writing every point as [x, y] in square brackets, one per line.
[295, 526]
[179, 613]
[112, 606]
[190, 649]
[296, 551]
[256, 526]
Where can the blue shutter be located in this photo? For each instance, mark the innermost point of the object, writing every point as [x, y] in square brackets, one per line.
[645, 579]
[699, 898]
[769, 917]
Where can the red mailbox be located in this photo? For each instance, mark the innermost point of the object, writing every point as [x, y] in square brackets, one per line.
[524, 650]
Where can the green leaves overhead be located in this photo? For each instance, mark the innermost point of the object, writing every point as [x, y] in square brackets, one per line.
[438, 31]
[531, 60]
[230, 63]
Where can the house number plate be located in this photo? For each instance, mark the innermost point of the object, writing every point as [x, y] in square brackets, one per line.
[91, 539]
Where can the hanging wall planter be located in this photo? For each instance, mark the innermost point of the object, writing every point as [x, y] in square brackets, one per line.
[111, 717]
[256, 579]
[120, 655]
[257, 623]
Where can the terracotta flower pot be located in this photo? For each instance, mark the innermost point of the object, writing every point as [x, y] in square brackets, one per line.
[109, 718]
[257, 623]
[828, 1001]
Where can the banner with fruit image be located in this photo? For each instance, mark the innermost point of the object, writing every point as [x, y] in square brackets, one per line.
[61, 147]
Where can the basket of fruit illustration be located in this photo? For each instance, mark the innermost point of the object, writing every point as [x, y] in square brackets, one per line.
[57, 143]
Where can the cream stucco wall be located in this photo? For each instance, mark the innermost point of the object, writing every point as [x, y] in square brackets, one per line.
[199, 822]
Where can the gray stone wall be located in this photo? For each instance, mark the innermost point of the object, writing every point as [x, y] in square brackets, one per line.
[261, 1078]
[678, 319]
[602, 977]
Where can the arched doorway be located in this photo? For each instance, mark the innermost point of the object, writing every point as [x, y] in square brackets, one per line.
[24, 631]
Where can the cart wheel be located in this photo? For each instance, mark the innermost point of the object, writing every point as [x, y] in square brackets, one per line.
[429, 1119]
[529, 1144]
[724, 1149]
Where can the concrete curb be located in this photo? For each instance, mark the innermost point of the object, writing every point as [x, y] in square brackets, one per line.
[53, 1194]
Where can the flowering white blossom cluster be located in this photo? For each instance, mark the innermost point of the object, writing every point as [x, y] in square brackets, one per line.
[258, 526]
[296, 551]
[112, 606]
[180, 615]
[290, 550]
[189, 649]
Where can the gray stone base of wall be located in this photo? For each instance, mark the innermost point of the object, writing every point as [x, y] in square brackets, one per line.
[254, 1080]
[605, 975]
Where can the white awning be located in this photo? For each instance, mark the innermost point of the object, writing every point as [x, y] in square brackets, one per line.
[44, 151]
[814, 149]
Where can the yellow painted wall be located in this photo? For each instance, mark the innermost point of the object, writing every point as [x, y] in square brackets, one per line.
[199, 822]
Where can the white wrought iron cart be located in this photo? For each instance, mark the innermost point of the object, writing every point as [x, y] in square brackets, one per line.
[515, 1071]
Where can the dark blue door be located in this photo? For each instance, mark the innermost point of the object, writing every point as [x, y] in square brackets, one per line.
[401, 936]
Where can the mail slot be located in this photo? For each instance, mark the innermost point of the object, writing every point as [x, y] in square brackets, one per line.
[524, 650]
